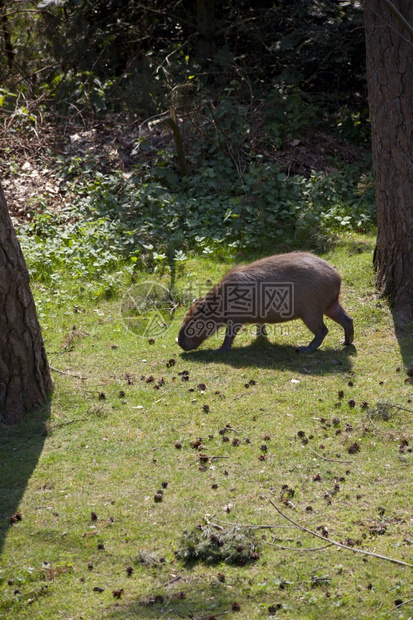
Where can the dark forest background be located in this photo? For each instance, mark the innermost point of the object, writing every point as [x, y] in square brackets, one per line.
[166, 128]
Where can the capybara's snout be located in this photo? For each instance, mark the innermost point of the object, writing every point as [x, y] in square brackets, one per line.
[184, 344]
[185, 341]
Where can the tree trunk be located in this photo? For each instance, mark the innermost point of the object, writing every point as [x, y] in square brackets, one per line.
[389, 47]
[8, 47]
[205, 20]
[25, 381]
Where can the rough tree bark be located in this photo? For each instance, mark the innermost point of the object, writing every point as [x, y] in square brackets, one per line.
[25, 382]
[389, 45]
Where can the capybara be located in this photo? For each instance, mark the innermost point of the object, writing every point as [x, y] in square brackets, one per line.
[275, 289]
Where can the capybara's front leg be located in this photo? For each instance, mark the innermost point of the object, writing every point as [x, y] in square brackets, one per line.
[231, 332]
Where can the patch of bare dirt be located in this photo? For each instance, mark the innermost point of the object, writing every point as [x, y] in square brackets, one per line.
[31, 176]
[316, 152]
[30, 173]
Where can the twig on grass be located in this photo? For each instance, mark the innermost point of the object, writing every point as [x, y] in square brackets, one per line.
[409, 411]
[391, 433]
[69, 374]
[52, 357]
[400, 605]
[376, 428]
[204, 458]
[230, 428]
[168, 583]
[382, 410]
[72, 335]
[211, 524]
[252, 527]
[159, 399]
[57, 424]
[298, 548]
[239, 525]
[331, 460]
[91, 410]
[337, 544]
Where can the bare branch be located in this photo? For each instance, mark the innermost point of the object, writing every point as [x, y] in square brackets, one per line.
[331, 460]
[401, 605]
[337, 544]
[69, 374]
[298, 548]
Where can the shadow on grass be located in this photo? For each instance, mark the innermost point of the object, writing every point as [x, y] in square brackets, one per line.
[20, 448]
[263, 354]
[404, 335]
[201, 600]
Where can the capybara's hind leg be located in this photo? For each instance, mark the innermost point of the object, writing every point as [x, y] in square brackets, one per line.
[340, 316]
[320, 331]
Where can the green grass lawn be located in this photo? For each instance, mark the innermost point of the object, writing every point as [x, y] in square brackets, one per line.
[310, 433]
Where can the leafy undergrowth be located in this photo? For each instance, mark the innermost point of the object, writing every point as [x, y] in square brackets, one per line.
[149, 451]
[103, 203]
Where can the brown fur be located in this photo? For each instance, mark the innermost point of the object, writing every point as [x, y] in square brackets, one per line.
[316, 289]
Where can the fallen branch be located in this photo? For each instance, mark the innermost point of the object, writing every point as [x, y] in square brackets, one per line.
[382, 409]
[251, 527]
[331, 460]
[72, 336]
[57, 424]
[394, 434]
[230, 428]
[168, 583]
[69, 374]
[159, 399]
[273, 544]
[400, 605]
[211, 524]
[337, 544]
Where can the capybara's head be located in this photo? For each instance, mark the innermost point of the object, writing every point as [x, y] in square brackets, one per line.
[198, 325]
